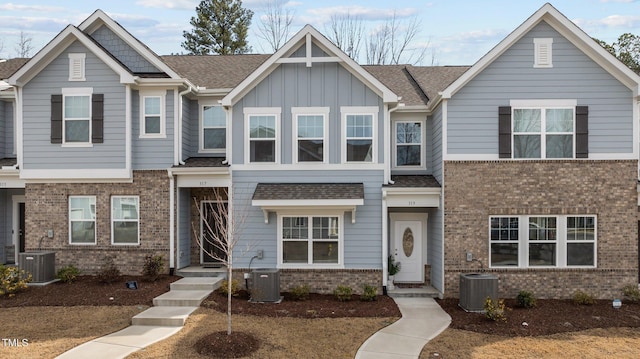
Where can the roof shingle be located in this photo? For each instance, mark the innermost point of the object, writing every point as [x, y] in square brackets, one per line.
[308, 191]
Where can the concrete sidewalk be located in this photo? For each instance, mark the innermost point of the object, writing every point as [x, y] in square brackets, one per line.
[422, 320]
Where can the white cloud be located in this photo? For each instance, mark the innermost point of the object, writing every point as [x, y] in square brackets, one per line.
[620, 1]
[322, 15]
[169, 4]
[133, 21]
[27, 23]
[611, 21]
[32, 8]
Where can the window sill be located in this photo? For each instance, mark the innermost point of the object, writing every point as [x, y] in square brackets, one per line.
[125, 244]
[77, 145]
[309, 266]
[82, 244]
[152, 136]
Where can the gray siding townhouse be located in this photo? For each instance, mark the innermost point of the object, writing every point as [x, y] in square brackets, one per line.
[524, 165]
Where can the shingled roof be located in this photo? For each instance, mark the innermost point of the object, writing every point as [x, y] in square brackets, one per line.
[215, 71]
[8, 67]
[308, 191]
[434, 79]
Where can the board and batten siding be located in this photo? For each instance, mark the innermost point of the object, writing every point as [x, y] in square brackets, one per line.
[436, 145]
[39, 152]
[152, 153]
[183, 254]
[122, 51]
[189, 121]
[362, 240]
[472, 121]
[295, 85]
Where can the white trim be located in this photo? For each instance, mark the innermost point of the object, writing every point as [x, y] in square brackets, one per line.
[77, 62]
[308, 34]
[359, 110]
[15, 235]
[261, 111]
[310, 240]
[542, 106]
[19, 129]
[172, 219]
[77, 92]
[422, 144]
[445, 136]
[79, 174]
[137, 219]
[411, 197]
[421, 217]
[355, 166]
[95, 222]
[543, 52]
[312, 111]
[495, 157]
[201, 128]
[544, 103]
[160, 94]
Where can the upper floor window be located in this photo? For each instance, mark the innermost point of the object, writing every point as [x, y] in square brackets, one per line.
[409, 144]
[310, 134]
[263, 138]
[82, 219]
[359, 126]
[77, 67]
[213, 134]
[543, 132]
[76, 115]
[543, 54]
[152, 114]
[125, 220]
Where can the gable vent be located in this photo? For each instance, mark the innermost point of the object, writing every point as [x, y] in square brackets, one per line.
[543, 52]
[76, 67]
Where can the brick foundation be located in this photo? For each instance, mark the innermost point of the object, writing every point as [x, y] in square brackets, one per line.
[47, 207]
[476, 190]
[324, 281]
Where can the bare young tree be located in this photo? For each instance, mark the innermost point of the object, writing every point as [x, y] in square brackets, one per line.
[275, 23]
[220, 234]
[346, 31]
[394, 42]
[23, 46]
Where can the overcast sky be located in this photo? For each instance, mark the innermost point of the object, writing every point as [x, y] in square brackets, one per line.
[458, 32]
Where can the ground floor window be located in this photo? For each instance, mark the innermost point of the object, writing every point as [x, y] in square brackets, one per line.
[82, 219]
[310, 240]
[125, 216]
[543, 241]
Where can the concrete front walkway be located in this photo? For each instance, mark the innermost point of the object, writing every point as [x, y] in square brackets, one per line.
[422, 320]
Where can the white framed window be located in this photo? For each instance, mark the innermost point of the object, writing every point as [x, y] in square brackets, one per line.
[543, 52]
[409, 144]
[359, 133]
[77, 67]
[310, 134]
[82, 220]
[543, 241]
[125, 220]
[542, 130]
[152, 114]
[262, 135]
[213, 129]
[76, 116]
[310, 240]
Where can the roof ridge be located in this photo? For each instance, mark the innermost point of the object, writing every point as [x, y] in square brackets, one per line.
[412, 78]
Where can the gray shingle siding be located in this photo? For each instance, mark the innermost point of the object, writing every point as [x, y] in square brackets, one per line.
[472, 122]
[122, 51]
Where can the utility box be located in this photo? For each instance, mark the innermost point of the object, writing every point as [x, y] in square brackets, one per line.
[41, 265]
[265, 285]
[474, 290]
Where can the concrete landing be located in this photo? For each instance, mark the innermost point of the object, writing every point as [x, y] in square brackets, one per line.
[197, 283]
[181, 298]
[163, 316]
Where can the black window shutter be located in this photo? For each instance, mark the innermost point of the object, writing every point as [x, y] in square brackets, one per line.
[97, 118]
[56, 118]
[582, 131]
[504, 131]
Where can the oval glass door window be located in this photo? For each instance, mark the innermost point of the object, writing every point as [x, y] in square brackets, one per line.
[407, 242]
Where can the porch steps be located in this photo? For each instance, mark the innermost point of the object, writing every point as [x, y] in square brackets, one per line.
[172, 309]
[189, 272]
[419, 292]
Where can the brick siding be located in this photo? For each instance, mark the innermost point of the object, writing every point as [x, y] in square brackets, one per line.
[47, 207]
[476, 190]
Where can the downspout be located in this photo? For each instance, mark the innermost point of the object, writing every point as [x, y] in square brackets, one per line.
[178, 152]
[172, 235]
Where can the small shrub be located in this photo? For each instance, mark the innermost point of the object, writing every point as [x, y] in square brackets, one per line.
[224, 287]
[582, 298]
[369, 293]
[109, 273]
[152, 266]
[12, 280]
[526, 299]
[495, 310]
[68, 273]
[343, 293]
[300, 292]
[631, 292]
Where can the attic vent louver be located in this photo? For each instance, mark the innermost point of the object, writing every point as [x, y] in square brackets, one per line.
[76, 67]
[543, 52]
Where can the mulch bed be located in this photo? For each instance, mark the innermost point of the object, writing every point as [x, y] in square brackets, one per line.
[87, 290]
[549, 316]
[221, 345]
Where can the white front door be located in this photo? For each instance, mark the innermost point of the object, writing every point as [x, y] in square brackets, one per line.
[407, 245]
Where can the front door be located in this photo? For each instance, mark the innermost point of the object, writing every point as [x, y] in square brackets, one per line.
[213, 233]
[407, 245]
